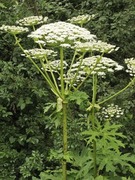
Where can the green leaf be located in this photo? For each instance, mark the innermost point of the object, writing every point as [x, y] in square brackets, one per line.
[101, 178]
[21, 103]
[34, 178]
[49, 106]
[12, 139]
[2, 5]
[124, 178]
[78, 97]
[48, 176]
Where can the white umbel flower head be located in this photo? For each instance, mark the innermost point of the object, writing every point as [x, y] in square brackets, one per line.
[39, 53]
[61, 33]
[112, 111]
[131, 66]
[94, 46]
[89, 66]
[54, 65]
[14, 29]
[32, 20]
[96, 65]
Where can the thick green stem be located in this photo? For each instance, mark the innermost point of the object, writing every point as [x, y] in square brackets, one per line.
[95, 158]
[94, 99]
[64, 120]
[93, 122]
[64, 162]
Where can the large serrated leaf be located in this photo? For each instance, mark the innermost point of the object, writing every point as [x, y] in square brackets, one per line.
[78, 97]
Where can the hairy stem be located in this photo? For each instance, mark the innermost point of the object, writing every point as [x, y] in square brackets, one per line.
[93, 122]
[64, 163]
[94, 99]
[62, 72]
[64, 113]
[95, 158]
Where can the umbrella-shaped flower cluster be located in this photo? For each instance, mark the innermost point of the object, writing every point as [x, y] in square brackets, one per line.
[55, 66]
[98, 46]
[112, 111]
[62, 33]
[14, 29]
[38, 53]
[32, 21]
[92, 65]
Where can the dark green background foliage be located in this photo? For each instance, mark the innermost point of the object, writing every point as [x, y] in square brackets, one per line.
[29, 138]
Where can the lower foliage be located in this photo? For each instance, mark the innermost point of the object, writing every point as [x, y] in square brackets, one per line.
[111, 163]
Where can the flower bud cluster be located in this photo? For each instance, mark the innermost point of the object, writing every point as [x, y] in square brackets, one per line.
[32, 20]
[39, 53]
[61, 33]
[112, 111]
[94, 46]
[13, 29]
[131, 66]
[81, 19]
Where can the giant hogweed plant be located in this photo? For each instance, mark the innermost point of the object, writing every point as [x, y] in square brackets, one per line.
[67, 55]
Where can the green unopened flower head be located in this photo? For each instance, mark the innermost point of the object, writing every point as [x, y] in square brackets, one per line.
[81, 19]
[131, 66]
[13, 29]
[32, 20]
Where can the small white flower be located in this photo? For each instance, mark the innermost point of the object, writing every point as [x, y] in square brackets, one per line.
[40, 42]
[102, 74]
[111, 70]
[65, 45]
